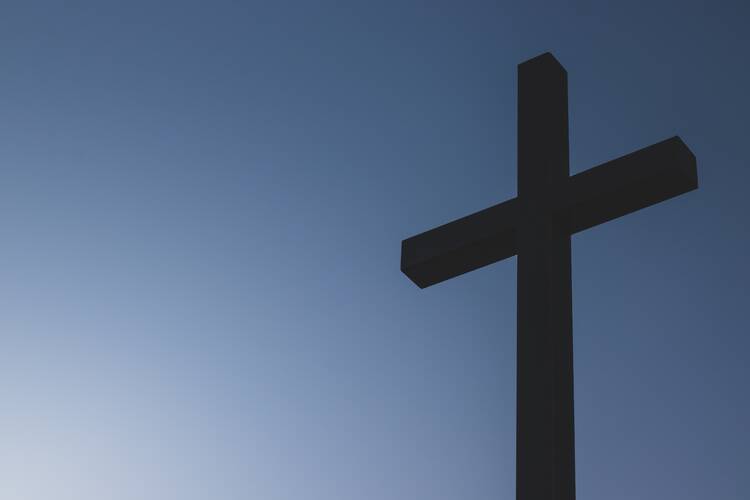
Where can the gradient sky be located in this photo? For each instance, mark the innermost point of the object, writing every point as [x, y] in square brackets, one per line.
[201, 209]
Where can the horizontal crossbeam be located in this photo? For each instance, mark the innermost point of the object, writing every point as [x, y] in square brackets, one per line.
[615, 188]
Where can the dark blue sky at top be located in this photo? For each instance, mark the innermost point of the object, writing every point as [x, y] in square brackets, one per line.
[201, 209]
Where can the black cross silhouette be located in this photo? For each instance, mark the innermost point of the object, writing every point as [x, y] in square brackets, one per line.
[536, 227]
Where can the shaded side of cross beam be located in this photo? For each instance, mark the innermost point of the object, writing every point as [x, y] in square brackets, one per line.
[461, 246]
[613, 189]
[629, 183]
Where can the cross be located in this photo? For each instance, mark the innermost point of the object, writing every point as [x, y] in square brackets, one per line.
[536, 226]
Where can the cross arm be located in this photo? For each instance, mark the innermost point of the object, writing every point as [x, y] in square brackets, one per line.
[461, 246]
[616, 188]
[629, 183]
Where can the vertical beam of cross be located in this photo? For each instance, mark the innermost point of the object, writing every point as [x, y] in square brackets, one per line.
[544, 411]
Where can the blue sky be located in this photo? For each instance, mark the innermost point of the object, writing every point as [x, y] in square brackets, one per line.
[201, 209]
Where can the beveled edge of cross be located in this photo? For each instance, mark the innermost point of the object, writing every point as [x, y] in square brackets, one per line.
[605, 192]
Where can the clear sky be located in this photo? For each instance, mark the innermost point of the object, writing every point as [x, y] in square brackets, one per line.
[201, 209]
